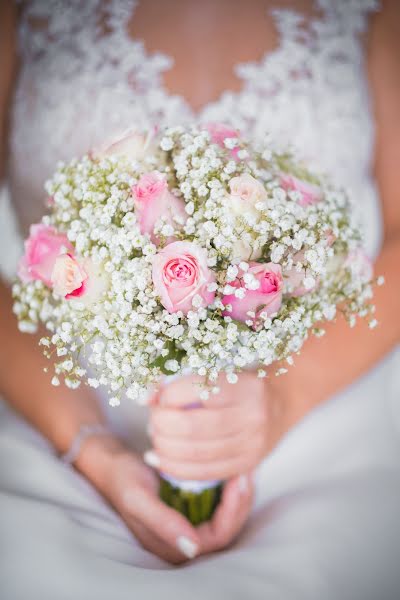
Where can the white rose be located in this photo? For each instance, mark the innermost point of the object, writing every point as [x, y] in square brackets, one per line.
[246, 192]
[78, 280]
[131, 144]
[97, 283]
[68, 276]
[244, 250]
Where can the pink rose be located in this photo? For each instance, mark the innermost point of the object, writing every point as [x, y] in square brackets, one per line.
[267, 298]
[180, 272]
[220, 132]
[41, 250]
[68, 277]
[294, 279]
[310, 193]
[153, 200]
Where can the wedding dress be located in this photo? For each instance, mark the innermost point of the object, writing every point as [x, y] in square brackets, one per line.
[325, 519]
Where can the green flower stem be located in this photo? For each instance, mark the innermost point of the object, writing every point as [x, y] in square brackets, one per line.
[196, 507]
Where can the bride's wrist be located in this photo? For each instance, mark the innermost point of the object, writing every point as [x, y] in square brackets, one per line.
[96, 456]
[288, 401]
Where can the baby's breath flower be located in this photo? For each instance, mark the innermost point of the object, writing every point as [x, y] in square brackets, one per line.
[231, 377]
[114, 401]
[126, 335]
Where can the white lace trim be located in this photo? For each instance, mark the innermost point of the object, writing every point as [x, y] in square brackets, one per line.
[83, 79]
[92, 36]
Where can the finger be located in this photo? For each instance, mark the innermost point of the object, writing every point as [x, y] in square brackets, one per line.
[155, 544]
[186, 391]
[230, 515]
[182, 392]
[163, 521]
[175, 448]
[153, 397]
[200, 423]
[202, 471]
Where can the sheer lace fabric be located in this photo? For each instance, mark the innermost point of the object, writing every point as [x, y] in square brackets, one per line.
[83, 80]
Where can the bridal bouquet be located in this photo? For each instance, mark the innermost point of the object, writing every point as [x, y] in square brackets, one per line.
[187, 251]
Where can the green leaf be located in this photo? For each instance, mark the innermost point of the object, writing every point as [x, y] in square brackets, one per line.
[174, 353]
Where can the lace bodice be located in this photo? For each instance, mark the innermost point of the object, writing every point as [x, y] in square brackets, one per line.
[83, 80]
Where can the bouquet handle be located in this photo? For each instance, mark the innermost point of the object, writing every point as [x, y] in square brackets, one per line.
[196, 500]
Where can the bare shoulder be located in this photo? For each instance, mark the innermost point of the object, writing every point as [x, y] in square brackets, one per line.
[8, 20]
[384, 74]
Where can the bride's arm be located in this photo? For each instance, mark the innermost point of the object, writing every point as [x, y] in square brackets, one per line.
[57, 413]
[328, 364]
[8, 66]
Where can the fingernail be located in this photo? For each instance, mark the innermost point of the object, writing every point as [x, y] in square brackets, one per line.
[151, 458]
[186, 546]
[243, 484]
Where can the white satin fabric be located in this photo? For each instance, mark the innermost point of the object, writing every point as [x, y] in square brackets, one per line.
[325, 524]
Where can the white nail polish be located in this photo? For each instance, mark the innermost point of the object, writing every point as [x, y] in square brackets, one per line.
[151, 458]
[186, 546]
[243, 484]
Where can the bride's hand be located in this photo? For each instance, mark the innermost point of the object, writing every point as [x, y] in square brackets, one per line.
[230, 516]
[132, 489]
[227, 436]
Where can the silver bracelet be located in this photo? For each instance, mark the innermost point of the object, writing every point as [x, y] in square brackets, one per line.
[84, 432]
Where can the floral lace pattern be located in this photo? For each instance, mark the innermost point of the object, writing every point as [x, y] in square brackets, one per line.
[83, 79]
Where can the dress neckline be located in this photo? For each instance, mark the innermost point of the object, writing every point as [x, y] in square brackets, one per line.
[291, 26]
[303, 39]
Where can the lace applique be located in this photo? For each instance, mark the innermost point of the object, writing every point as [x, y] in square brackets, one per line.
[83, 79]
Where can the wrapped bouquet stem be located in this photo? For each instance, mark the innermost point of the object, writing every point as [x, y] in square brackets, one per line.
[196, 500]
[187, 249]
